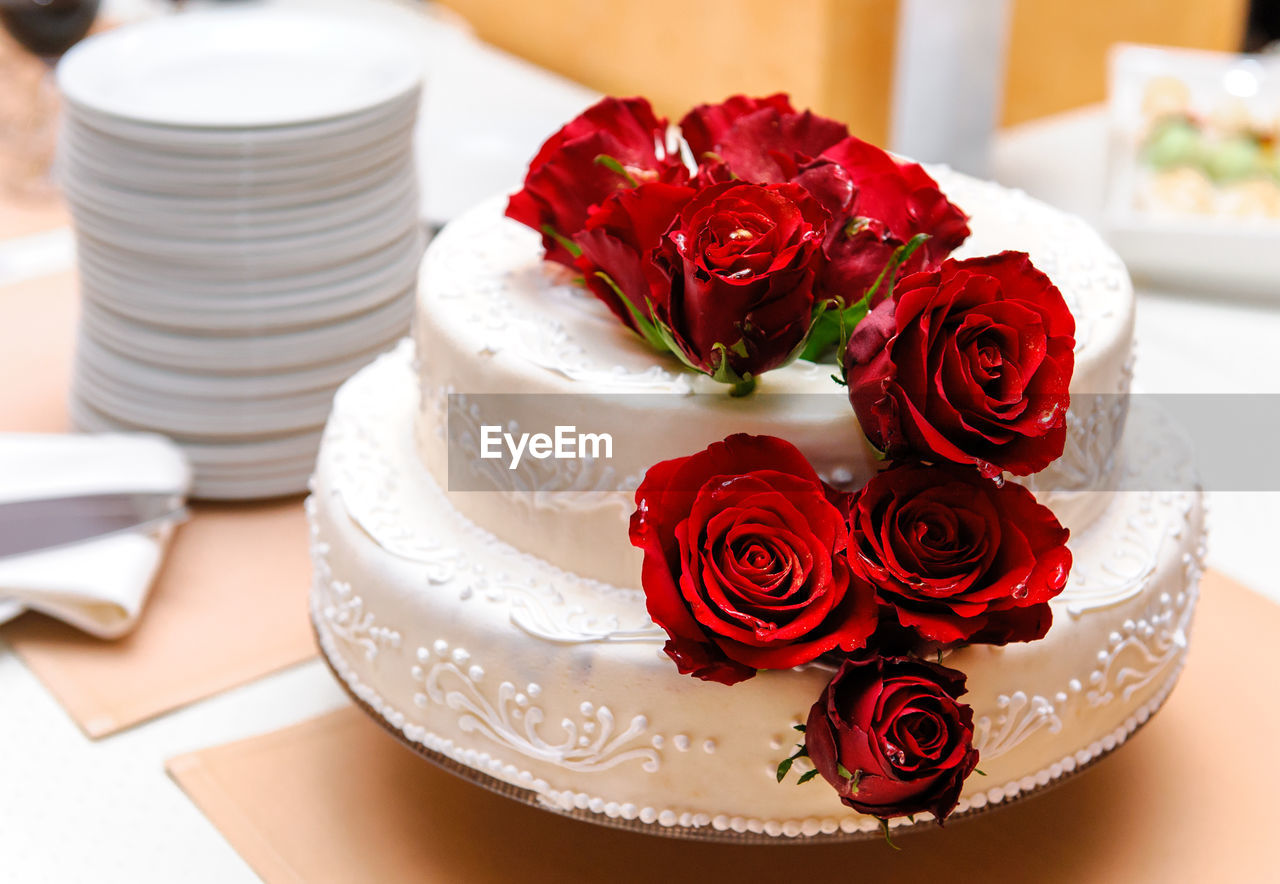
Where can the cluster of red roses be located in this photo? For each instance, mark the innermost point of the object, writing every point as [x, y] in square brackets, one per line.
[959, 373]
[743, 251]
[752, 562]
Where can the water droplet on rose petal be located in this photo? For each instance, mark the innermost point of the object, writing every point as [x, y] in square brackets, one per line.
[1059, 572]
[1020, 591]
[1058, 575]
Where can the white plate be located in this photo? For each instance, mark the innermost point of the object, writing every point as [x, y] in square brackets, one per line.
[260, 457]
[250, 320]
[106, 157]
[233, 199]
[350, 133]
[133, 171]
[320, 222]
[239, 222]
[257, 412]
[147, 379]
[1214, 255]
[209, 283]
[148, 211]
[251, 489]
[238, 69]
[183, 311]
[1211, 251]
[231, 420]
[195, 187]
[326, 290]
[260, 473]
[252, 354]
[344, 241]
[223, 457]
[253, 477]
[285, 269]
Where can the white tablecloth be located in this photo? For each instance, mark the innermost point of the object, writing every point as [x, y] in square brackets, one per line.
[75, 810]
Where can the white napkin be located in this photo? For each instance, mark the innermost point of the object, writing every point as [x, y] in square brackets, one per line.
[98, 585]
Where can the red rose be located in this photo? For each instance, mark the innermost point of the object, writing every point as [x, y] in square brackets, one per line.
[970, 363]
[893, 201]
[620, 246]
[957, 557]
[761, 140]
[723, 276]
[614, 144]
[705, 126]
[888, 734]
[748, 256]
[743, 561]
[877, 203]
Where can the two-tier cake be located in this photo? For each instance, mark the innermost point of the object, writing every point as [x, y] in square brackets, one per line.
[506, 622]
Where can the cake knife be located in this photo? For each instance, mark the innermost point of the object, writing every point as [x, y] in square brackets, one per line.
[28, 526]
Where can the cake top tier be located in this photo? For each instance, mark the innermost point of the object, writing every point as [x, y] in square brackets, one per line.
[485, 286]
[506, 339]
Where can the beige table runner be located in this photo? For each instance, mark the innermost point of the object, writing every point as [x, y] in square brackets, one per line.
[335, 799]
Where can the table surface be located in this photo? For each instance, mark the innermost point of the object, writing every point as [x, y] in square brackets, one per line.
[79, 810]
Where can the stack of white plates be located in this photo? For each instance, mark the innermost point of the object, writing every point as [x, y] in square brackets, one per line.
[246, 215]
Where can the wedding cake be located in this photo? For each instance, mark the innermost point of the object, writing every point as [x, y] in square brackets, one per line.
[581, 544]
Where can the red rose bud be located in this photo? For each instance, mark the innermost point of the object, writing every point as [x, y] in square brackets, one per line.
[889, 736]
[957, 557]
[744, 564]
[749, 255]
[893, 202]
[622, 244]
[970, 363]
[761, 140]
[614, 144]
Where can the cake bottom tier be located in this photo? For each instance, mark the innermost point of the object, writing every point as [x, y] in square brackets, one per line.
[555, 689]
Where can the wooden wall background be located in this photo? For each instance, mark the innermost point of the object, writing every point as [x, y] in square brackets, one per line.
[833, 55]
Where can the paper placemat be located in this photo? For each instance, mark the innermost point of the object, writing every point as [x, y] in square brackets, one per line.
[337, 799]
[229, 604]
